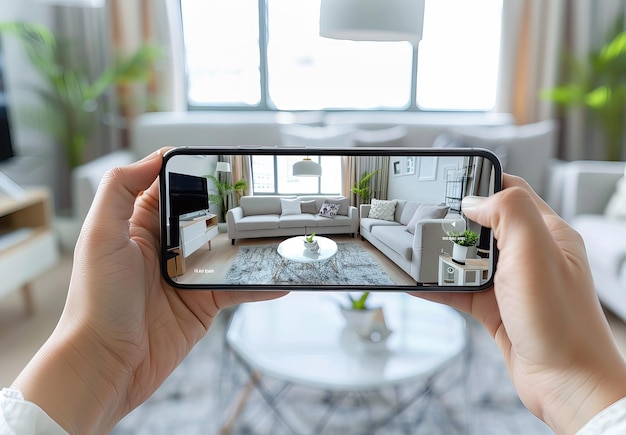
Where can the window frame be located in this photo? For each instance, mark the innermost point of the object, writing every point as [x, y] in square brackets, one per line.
[277, 193]
[265, 105]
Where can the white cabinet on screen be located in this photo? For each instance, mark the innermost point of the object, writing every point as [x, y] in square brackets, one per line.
[196, 233]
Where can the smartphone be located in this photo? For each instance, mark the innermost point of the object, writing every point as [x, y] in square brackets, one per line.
[246, 218]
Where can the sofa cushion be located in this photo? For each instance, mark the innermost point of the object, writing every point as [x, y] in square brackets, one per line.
[383, 209]
[297, 221]
[616, 207]
[289, 206]
[335, 222]
[331, 136]
[427, 211]
[524, 150]
[407, 210]
[258, 222]
[260, 205]
[329, 210]
[380, 136]
[369, 223]
[604, 242]
[308, 206]
[396, 238]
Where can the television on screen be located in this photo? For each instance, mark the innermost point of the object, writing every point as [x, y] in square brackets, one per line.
[189, 195]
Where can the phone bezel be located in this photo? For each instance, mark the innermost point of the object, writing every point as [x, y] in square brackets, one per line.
[360, 151]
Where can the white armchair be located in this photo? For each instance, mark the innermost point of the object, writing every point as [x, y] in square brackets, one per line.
[587, 187]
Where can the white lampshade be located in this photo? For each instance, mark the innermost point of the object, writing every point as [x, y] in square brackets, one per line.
[222, 167]
[372, 20]
[76, 3]
[307, 168]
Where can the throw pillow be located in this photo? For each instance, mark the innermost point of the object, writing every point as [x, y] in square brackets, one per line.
[329, 210]
[343, 203]
[308, 207]
[427, 211]
[616, 208]
[383, 209]
[289, 206]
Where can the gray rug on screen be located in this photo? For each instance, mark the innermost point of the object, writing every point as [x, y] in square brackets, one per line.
[258, 265]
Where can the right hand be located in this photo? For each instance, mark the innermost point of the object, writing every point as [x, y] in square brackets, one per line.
[543, 311]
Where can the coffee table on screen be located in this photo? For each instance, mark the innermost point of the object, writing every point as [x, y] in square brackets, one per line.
[292, 249]
[300, 340]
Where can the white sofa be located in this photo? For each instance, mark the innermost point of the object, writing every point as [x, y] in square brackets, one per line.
[418, 254]
[151, 131]
[587, 187]
[261, 216]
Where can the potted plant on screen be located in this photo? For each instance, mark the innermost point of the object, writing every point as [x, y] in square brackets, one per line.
[310, 243]
[462, 242]
[223, 190]
[362, 188]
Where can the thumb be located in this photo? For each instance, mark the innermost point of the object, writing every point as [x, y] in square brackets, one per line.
[512, 214]
[113, 205]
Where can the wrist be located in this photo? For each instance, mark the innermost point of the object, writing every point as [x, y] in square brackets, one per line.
[588, 393]
[68, 379]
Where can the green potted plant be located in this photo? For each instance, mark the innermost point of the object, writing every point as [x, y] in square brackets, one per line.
[362, 188]
[598, 83]
[70, 98]
[364, 322]
[310, 243]
[357, 313]
[223, 190]
[462, 242]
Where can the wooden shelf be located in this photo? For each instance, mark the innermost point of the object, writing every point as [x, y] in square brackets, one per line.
[28, 246]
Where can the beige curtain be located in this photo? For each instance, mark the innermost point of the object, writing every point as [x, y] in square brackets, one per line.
[535, 36]
[531, 45]
[132, 24]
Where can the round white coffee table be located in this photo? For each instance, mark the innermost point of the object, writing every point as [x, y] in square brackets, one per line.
[300, 339]
[293, 249]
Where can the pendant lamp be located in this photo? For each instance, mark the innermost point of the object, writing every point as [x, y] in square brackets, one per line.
[307, 168]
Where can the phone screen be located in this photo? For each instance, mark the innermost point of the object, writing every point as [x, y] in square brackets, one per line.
[328, 219]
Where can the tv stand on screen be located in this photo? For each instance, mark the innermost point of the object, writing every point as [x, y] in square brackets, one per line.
[194, 234]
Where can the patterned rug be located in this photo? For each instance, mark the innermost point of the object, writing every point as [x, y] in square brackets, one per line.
[259, 265]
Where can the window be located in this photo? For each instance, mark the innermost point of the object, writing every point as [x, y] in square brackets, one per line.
[292, 68]
[272, 175]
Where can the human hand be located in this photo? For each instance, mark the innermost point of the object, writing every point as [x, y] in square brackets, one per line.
[543, 311]
[123, 329]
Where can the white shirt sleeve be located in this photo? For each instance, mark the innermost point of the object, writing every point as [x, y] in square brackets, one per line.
[21, 417]
[610, 421]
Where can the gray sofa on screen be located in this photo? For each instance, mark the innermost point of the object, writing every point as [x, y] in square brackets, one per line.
[261, 216]
[417, 254]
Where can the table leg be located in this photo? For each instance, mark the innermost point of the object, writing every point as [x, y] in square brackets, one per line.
[278, 269]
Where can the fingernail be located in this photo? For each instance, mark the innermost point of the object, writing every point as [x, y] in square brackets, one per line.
[151, 156]
[471, 201]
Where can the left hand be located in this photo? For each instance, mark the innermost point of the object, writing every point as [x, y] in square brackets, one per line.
[123, 329]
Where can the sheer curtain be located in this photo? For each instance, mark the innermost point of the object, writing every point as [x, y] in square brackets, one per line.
[536, 34]
[355, 166]
[133, 23]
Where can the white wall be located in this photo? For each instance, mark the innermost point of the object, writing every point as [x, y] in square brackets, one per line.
[426, 184]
